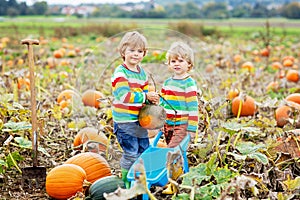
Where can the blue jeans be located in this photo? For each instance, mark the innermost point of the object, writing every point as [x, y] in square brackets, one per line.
[133, 139]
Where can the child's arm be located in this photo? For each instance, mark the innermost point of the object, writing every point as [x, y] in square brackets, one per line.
[192, 106]
[130, 92]
[122, 92]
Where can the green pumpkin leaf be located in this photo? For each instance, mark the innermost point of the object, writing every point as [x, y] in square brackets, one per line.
[232, 126]
[223, 175]
[27, 144]
[259, 157]
[17, 126]
[23, 142]
[212, 164]
[210, 191]
[237, 157]
[246, 148]
[196, 175]
[16, 156]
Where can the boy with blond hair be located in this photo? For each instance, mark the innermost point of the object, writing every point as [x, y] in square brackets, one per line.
[130, 92]
[180, 95]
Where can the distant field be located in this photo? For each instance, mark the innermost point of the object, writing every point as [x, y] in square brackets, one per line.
[233, 27]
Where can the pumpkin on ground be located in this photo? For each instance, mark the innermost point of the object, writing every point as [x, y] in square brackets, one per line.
[248, 65]
[103, 185]
[152, 116]
[292, 75]
[233, 93]
[294, 97]
[272, 86]
[89, 98]
[64, 181]
[90, 133]
[23, 83]
[65, 97]
[94, 165]
[248, 106]
[282, 114]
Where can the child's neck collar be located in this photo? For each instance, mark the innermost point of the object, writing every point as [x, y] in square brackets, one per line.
[181, 77]
[136, 69]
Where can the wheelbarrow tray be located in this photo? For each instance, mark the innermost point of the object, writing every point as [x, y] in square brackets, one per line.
[155, 159]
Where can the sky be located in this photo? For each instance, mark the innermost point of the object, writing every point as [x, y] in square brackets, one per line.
[77, 2]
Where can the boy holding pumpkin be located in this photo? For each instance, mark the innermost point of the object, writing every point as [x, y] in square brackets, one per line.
[179, 94]
[130, 91]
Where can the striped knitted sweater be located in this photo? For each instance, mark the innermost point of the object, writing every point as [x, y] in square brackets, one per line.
[129, 89]
[182, 95]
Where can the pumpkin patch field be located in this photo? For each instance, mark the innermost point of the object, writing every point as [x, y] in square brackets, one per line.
[248, 145]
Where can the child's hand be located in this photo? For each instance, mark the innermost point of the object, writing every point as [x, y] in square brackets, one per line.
[153, 97]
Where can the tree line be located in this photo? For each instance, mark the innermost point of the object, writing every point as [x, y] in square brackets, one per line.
[210, 10]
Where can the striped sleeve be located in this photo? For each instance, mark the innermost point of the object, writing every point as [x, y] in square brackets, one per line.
[129, 91]
[192, 106]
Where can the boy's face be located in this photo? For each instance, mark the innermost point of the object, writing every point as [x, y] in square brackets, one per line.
[133, 56]
[179, 65]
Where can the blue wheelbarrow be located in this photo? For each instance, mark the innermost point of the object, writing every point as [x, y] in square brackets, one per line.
[154, 159]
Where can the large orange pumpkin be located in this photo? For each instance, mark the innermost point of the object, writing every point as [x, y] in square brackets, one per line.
[89, 98]
[248, 105]
[90, 133]
[95, 165]
[64, 181]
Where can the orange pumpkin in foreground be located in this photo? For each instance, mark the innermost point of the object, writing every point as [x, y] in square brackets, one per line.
[90, 133]
[93, 164]
[64, 181]
[248, 105]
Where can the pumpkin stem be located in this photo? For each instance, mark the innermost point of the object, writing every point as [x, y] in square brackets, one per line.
[86, 184]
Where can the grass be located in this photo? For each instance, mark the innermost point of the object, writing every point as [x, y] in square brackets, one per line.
[46, 26]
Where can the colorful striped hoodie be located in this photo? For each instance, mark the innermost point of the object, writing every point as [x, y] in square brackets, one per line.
[182, 95]
[129, 89]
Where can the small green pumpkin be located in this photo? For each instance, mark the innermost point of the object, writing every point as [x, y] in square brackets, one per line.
[103, 185]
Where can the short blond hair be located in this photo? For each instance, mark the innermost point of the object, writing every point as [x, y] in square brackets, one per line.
[180, 49]
[132, 39]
